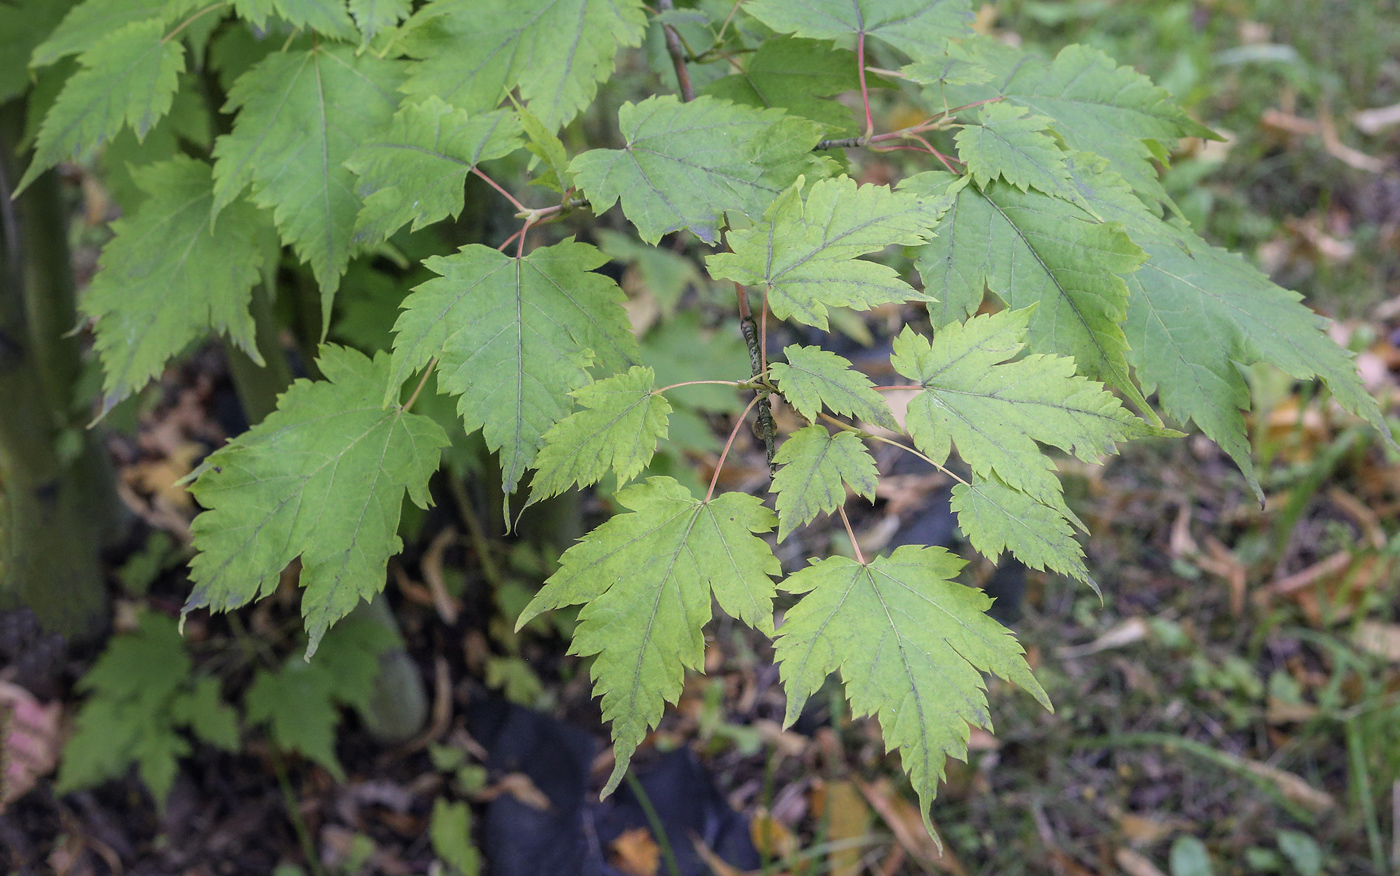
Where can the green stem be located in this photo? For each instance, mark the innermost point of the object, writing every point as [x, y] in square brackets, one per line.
[289, 798]
[58, 502]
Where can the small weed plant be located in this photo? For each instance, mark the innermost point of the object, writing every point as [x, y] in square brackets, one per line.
[1058, 304]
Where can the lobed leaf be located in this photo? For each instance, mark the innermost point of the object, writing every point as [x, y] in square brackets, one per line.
[374, 16]
[415, 168]
[645, 580]
[472, 52]
[995, 518]
[1011, 143]
[513, 338]
[1033, 249]
[796, 75]
[813, 378]
[167, 250]
[806, 255]
[686, 164]
[296, 702]
[813, 466]
[322, 478]
[617, 428]
[915, 27]
[1196, 313]
[128, 77]
[300, 116]
[327, 17]
[88, 23]
[996, 410]
[1097, 106]
[911, 645]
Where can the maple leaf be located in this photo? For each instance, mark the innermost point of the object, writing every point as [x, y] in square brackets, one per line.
[645, 580]
[374, 16]
[1196, 313]
[548, 148]
[1031, 248]
[617, 427]
[796, 75]
[1097, 106]
[300, 116]
[813, 378]
[813, 463]
[686, 164]
[915, 27]
[805, 254]
[1011, 143]
[127, 78]
[322, 478]
[996, 410]
[513, 337]
[168, 249]
[414, 170]
[995, 517]
[911, 645]
[555, 51]
[327, 17]
[296, 702]
[92, 21]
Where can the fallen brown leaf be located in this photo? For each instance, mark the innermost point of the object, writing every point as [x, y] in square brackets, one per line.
[635, 852]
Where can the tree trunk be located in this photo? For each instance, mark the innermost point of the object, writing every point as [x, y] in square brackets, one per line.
[58, 503]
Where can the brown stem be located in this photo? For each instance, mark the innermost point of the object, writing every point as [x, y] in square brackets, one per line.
[733, 433]
[677, 52]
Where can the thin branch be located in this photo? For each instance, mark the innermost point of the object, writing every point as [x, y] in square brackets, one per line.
[188, 21]
[734, 383]
[842, 143]
[423, 381]
[497, 186]
[901, 445]
[677, 51]
[855, 545]
[733, 433]
[864, 93]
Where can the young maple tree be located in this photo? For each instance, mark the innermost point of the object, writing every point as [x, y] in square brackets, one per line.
[346, 123]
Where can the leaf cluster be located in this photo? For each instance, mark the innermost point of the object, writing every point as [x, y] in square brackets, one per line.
[343, 128]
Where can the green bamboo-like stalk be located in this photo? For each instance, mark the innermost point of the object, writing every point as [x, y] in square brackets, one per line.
[59, 502]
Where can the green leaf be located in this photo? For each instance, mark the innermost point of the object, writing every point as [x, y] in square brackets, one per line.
[451, 834]
[128, 78]
[915, 27]
[1097, 106]
[996, 410]
[911, 645]
[994, 517]
[167, 251]
[799, 76]
[204, 711]
[300, 116]
[129, 715]
[813, 464]
[806, 254]
[350, 657]
[1196, 313]
[414, 169]
[554, 51]
[296, 702]
[617, 428]
[545, 146]
[645, 580]
[1011, 143]
[686, 164]
[1031, 248]
[373, 16]
[513, 338]
[322, 478]
[326, 17]
[89, 23]
[23, 26]
[813, 378]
